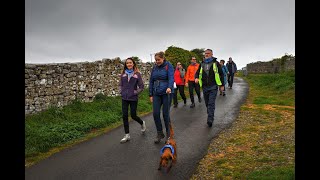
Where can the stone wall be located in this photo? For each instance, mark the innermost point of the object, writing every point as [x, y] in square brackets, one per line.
[275, 66]
[290, 64]
[58, 84]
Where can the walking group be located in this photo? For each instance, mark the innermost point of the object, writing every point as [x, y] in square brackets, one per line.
[164, 83]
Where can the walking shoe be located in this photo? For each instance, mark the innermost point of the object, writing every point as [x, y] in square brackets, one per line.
[209, 124]
[192, 105]
[220, 93]
[143, 127]
[224, 93]
[185, 101]
[125, 138]
[160, 136]
[175, 105]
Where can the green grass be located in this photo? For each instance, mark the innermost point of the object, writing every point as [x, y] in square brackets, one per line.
[285, 173]
[278, 89]
[56, 127]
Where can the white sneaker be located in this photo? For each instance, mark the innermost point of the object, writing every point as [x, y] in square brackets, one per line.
[143, 127]
[125, 138]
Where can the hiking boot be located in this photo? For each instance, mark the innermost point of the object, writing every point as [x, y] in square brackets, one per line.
[125, 138]
[192, 105]
[160, 136]
[143, 127]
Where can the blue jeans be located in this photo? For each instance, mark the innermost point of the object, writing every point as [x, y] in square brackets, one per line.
[158, 101]
[210, 94]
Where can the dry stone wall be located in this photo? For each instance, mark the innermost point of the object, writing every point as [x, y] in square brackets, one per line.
[275, 66]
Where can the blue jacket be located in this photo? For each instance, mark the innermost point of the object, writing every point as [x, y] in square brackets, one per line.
[161, 78]
[129, 90]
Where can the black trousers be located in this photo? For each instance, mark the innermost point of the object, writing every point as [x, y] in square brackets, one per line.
[192, 85]
[181, 91]
[133, 112]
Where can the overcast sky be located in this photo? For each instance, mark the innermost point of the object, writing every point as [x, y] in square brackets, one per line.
[81, 30]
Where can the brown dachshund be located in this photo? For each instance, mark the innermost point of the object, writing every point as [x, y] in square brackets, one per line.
[168, 152]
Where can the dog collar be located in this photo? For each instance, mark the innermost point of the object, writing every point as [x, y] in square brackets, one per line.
[167, 146]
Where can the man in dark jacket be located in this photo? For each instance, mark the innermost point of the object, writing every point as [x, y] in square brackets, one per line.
[232, 68]
[209, 75]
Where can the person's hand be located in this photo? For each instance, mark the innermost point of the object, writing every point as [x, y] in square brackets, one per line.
[151, 99]
[196, 80]
[168, 91]
[186, 84]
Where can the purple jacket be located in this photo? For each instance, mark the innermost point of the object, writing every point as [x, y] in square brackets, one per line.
[129, 90]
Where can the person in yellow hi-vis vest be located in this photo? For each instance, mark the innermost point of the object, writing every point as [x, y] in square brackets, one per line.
[209, 76]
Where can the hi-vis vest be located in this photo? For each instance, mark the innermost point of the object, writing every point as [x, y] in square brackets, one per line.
[216, 75]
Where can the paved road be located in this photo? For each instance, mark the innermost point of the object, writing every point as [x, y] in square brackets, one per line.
[103, 157]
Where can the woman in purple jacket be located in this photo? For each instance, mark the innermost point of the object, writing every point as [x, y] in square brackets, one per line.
[130, 86]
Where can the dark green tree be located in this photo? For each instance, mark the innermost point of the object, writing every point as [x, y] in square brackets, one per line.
[176, 54]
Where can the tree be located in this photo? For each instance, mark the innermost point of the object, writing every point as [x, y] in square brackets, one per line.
[176, 54]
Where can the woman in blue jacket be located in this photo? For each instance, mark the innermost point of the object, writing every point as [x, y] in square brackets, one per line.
[130, 86]
[160, 93]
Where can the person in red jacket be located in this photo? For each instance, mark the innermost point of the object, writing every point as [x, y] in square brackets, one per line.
[179, 81]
